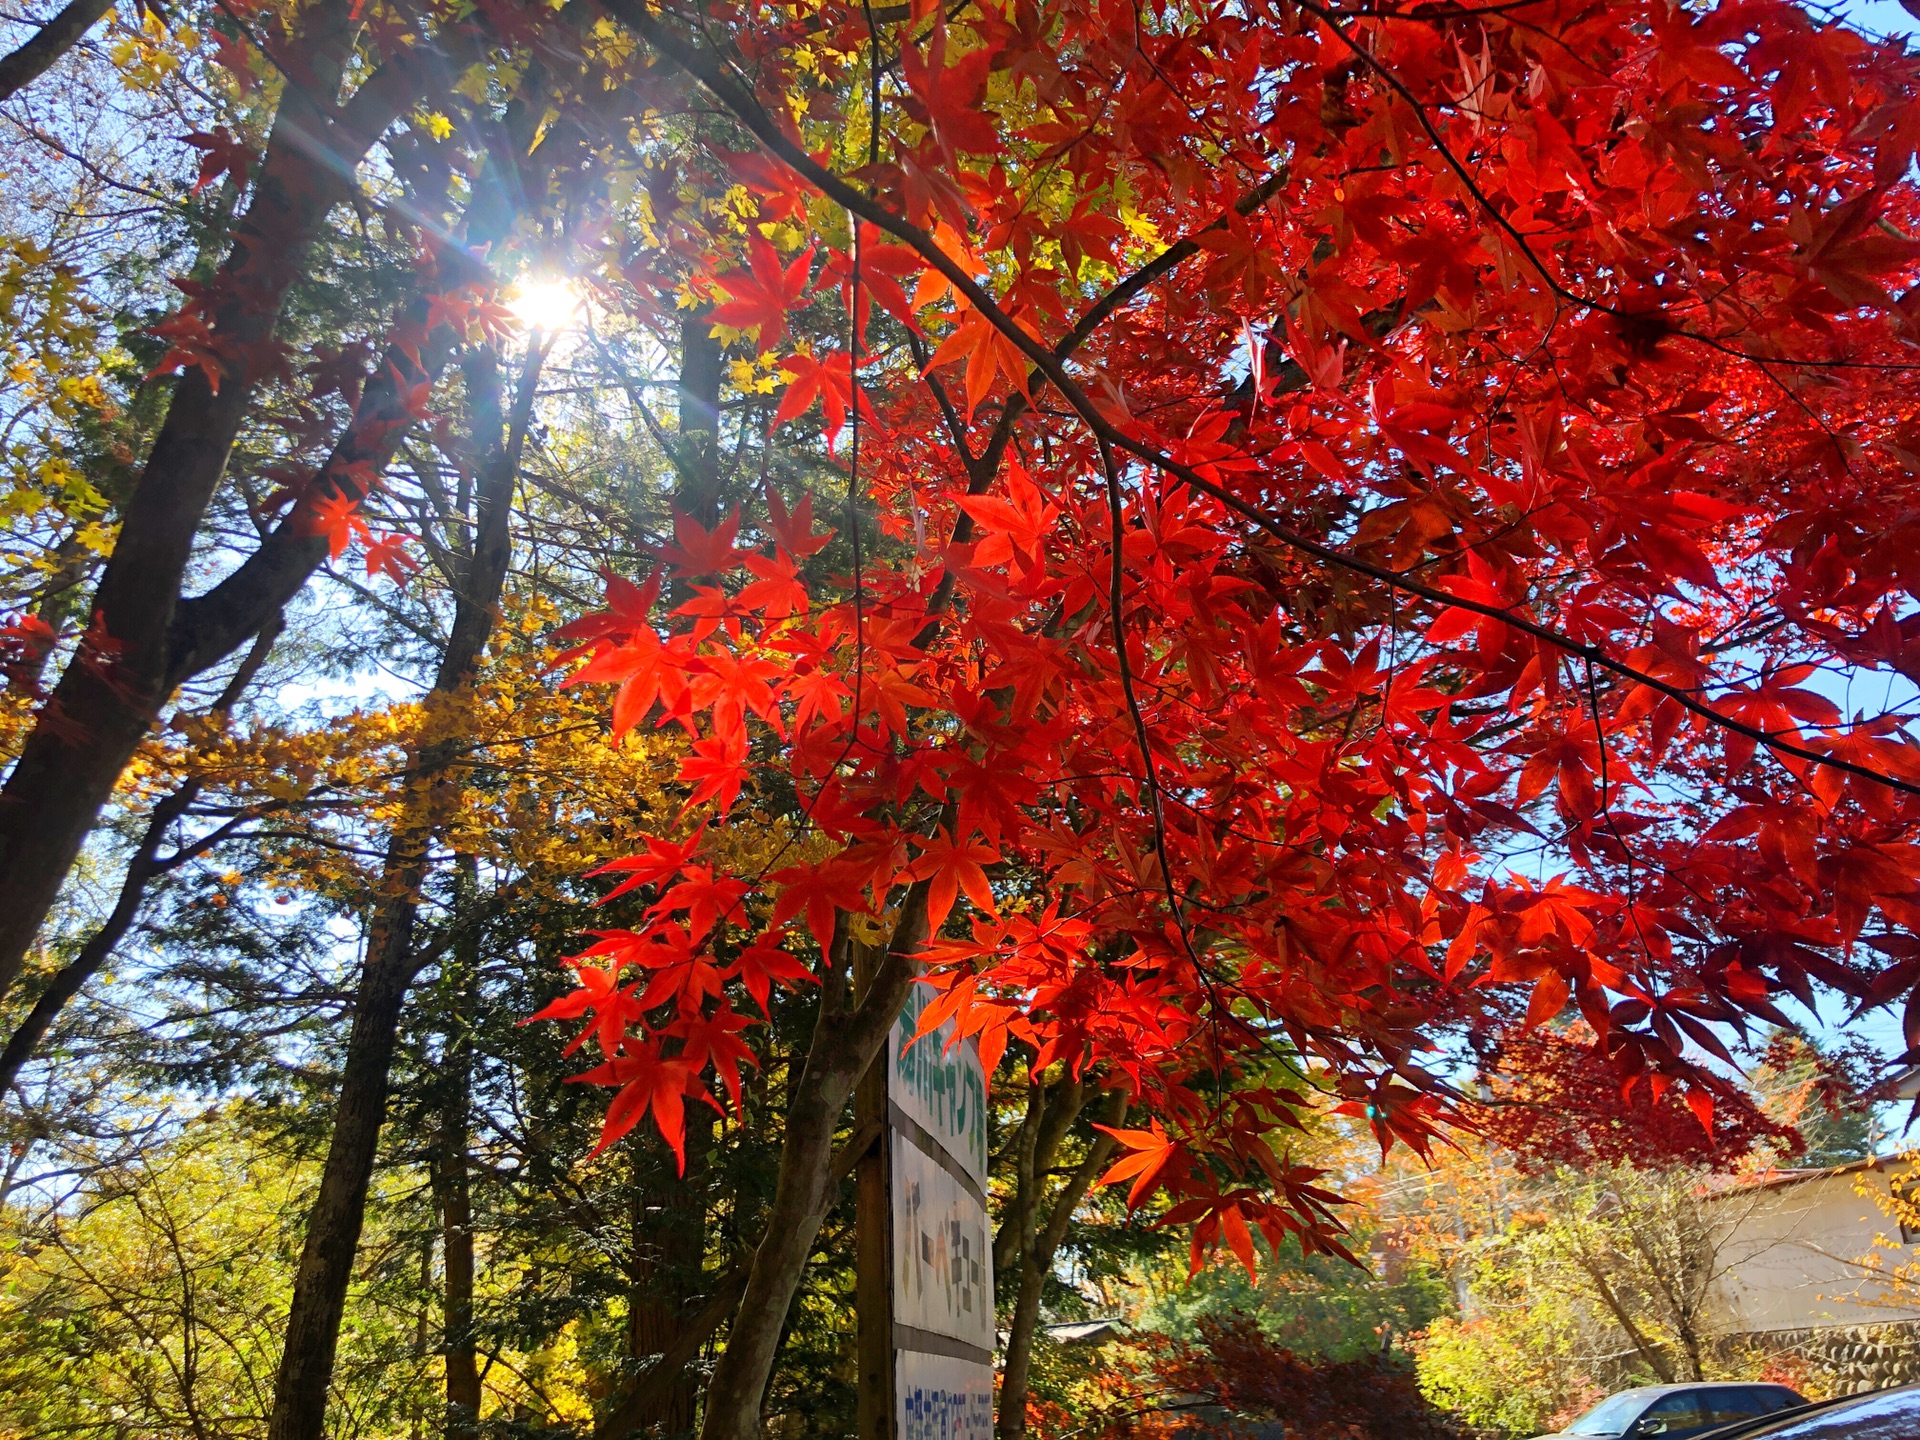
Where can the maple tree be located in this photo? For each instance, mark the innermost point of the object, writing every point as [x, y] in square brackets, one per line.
[1229, 1372]
[1301, 534]
[1555, 1102]
[1484, 432]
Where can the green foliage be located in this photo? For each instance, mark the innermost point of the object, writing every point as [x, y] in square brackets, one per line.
[1313, 1305]
[150, 1301]
[1505, 1372]
[1817, 1090]
[1576, 1284]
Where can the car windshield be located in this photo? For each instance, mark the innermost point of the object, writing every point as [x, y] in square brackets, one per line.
[1610, 1417]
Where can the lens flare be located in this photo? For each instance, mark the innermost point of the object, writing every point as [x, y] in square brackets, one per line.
[546, 305]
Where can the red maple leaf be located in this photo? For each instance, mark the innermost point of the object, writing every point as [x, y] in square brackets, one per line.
[950, 867]
[762, 965]
[629, 607]
[646, 1082]
[387, 555]
[337, 516]
[828, 379]
[763, 293]
[706, 899]
[718, 765]
[1017, 525]
[988, 353]
[714, 1040]
[697, 550]
[1150, 1151]
[795, 528]
[220, 154]
[608, 1004]
[952, 96]
[779, 593]
[25, 641]
[817, 891]
[663, 860]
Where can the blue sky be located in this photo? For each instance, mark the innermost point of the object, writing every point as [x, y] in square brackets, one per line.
[1884, 17]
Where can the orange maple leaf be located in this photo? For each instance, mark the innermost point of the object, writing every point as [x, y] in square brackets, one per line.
[1151, 1151]
[949, 867]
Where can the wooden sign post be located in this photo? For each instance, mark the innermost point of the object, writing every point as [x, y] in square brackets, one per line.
[925, 1255]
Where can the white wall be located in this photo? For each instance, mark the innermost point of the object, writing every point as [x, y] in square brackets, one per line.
[1788, 1252]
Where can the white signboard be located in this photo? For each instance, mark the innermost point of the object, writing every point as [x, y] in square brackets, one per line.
[943, 1090]
[942, 1254]
[941, 1398]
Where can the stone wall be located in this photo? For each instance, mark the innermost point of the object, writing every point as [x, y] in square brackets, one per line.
[1832, 1360]
[1819, 1361]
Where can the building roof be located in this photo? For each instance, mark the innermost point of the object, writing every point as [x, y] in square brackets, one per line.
[1085, 1332]
[1779, 1179]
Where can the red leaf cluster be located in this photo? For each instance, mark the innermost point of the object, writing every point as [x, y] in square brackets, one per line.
[1558, 1100]
[1417, 587]
[1233, 1374]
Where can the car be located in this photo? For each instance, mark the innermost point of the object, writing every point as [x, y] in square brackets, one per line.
[1677, 1412]
[1880, 1415]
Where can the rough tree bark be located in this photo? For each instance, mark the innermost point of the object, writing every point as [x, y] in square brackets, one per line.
[669, 1235]
[665, 1372]
[334, 1222]
[112, 690]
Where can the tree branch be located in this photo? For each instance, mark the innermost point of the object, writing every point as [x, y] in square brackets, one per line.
[49, 43]
[737, 99]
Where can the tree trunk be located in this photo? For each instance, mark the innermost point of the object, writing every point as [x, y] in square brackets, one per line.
[333, 1233]
[1649, 1352]
[113, 688]
[1013, 1246]
[873, 1239]
[333, 1222]
[1030, 1246]
[207, 627]
[667, 1373]
[661, 1376]
[49, 43]
[452, 1177]
[141, 870]
[845, 1040]
[1022, 1326]
[669, 1240]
